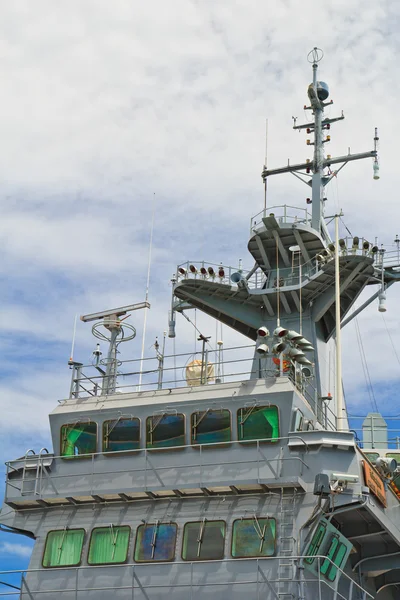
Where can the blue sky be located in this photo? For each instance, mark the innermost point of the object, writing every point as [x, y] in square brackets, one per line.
[108, 106]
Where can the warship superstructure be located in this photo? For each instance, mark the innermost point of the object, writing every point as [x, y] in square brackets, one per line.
[240, 478]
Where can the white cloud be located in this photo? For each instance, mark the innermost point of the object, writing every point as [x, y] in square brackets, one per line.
[19, 550]
[104, 105]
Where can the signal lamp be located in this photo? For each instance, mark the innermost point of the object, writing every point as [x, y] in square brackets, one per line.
[280, 332]
[278, 348]
[331, 247]
[342, 243]
[293, 336]
[365, 245]
[356, 242]
[263, 332]
[211, 272]
[221, 272]
[308, 130]
[306, 372]
[192, 269]
[329, 156]
[295, 354]
[328, 126]
[308, 142]
[203, 271]
[302, 360]
[374, 249]
[262, 349]
[182, 271]
[303, 342]
[307, 348]
[308, 200]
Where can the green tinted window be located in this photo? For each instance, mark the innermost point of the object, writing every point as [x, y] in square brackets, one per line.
[165, 430]
[372, 456]
[258, 423]
[395, 455]
[121, 434]
[253, 537]
[331, 553]
[78, 438]
[203, 540]
[63, 548]
[211, 426]
[155, 542]
[337, 552]
[109, 545]
[316, 542]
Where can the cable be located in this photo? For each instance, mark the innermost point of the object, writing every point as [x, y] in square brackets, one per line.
[391, 340]
[365, 366]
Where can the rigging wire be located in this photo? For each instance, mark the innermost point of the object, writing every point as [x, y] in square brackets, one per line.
[365, 366]
[391, 340]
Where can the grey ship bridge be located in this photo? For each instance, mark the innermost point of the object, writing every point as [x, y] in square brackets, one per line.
[241, 477]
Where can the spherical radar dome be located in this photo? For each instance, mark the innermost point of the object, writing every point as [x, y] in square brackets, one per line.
[322, 90]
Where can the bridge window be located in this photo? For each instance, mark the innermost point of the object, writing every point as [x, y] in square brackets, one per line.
[155, 542]
[109, 545]
[63, 548]
[211, 426]
[121, 434]
[258, 423]
[334, 558]
[204, 540]
[315, 544]
[253, 537]
[78, 438]
[165, 430]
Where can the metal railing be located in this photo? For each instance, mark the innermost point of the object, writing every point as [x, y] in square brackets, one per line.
[255, 576]
[283, 214]
[224, 365]
[145, 468]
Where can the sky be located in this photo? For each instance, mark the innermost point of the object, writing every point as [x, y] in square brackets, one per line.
[111, 112]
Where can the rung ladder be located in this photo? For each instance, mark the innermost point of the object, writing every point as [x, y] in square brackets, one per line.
[287, 545]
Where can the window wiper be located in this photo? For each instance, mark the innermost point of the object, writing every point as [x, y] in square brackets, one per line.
[154, 538]
[113, 540]
[60, 547]
[260, 532]
[200, 538]
[197, 423]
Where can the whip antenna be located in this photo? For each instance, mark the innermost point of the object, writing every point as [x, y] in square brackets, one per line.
[147, 292]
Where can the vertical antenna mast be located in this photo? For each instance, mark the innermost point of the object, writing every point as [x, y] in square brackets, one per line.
[317, 92]
[147, 293]
[265, 166]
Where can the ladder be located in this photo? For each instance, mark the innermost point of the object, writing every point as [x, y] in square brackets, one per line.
[287, 545]
[31, 485]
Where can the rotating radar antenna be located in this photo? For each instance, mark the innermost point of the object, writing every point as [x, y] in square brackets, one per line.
[117, 330]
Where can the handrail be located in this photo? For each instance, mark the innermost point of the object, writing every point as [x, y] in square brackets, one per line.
[191, 566]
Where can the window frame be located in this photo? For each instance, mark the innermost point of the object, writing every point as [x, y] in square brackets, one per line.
[165, 413]
[310, 558]
[108, 563]
[72, 426]
[256, 440]
[65, 529]
[204, 521]
[253, 555]
[118, 419]
[163, 560]
[333, 568]
[297, 412]
[205, 412]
